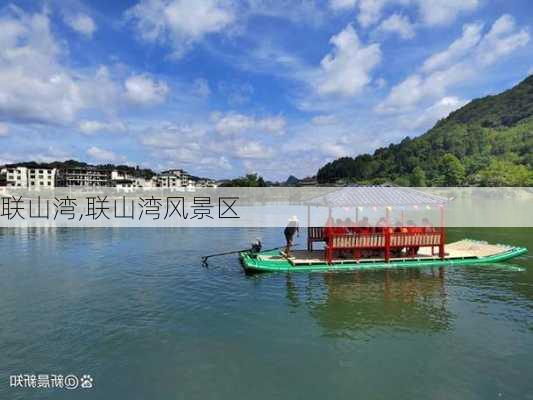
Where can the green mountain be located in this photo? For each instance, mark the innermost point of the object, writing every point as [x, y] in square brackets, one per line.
[488, 142]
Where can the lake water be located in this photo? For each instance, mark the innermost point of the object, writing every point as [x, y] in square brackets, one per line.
[135, 309]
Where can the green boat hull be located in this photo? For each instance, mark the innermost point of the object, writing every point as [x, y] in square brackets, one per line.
[254, 264]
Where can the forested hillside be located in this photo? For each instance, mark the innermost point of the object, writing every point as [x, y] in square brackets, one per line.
[488, 142]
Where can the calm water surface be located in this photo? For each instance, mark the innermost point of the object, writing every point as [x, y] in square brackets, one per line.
[135, 309]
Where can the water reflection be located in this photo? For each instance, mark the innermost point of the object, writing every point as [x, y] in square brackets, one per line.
[344, 304]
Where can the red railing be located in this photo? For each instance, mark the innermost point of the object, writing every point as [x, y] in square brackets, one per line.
[386, 241]
[315, 234]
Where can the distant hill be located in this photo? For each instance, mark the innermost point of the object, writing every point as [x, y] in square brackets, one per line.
[488, 142]
[291, 181]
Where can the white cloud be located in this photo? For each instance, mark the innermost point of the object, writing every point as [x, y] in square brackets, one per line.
[426, 118]
[440, 12]
[81, 23]
[370, 11]
[181, 22]
[47, 93]
[274, 125]
[38, 86]
[199, 147]
[103, 154]
[346, 70]
[4, 129]
[399, 24]
[403, 95]
[169, 135]
[38, 153]
[233, 123]
[417, 88]
[295, 11]
[335, 150]
[501, 40]
[432, 12]
[215, 163]
[324, 120]
[471, 36]
[342, 4]
[91, 126]
[330, 149]
[250, 149]
[336, 136]
[142, 89]
[185, 145]
[461, 61]
[35, 86]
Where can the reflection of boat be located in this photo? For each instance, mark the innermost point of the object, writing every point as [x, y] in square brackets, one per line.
[362, 304]
[409, 299]
[464, 252]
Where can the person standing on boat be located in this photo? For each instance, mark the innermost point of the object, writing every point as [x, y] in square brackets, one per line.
[290, 230]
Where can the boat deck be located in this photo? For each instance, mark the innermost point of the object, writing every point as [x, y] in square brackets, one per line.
[464, 252]
[457, 250]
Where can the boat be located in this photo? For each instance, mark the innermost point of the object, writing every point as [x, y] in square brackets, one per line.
[462, 253]
[357, 246]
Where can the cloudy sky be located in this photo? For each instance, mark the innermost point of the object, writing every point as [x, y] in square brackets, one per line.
[224, 87]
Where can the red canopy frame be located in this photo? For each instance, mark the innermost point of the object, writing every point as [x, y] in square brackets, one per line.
[315, 234]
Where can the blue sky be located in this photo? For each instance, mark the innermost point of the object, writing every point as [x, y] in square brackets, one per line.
[224, 87]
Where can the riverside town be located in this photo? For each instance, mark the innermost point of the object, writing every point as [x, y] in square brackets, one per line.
[35, 176]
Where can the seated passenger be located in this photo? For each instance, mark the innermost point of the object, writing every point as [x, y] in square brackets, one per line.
[349, 224]
[363, 226]
[399, 228]
[381, 225]
[340, 228]
[427, 226]
[413, 229]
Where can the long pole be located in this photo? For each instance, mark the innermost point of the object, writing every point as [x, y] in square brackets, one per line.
[204, 258]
